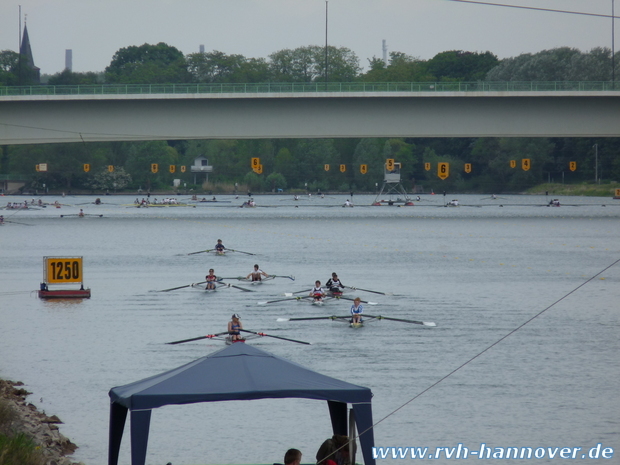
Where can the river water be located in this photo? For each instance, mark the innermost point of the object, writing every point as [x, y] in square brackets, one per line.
[479, 271]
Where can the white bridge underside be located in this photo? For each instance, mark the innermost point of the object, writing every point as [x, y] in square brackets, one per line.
[77, 118]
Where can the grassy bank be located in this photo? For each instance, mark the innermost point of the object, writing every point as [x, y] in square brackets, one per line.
[16, 447]
[28, 436]
[585, 189]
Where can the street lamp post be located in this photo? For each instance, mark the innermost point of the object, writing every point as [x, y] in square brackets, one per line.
[595, 163]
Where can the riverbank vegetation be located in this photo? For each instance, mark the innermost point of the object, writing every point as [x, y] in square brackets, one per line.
[16, 447]
[583, 189]
[311, 165]
[27, 436]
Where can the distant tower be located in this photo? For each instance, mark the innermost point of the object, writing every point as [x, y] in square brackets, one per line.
[28, 72]
[69, 60]
[202, 48]
[385, 58]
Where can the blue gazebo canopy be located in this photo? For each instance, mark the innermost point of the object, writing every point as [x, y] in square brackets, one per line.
[258, 375]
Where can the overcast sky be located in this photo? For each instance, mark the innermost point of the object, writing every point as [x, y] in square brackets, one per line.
[96, 29]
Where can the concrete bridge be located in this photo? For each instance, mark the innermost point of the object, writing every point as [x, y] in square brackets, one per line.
[103, 113]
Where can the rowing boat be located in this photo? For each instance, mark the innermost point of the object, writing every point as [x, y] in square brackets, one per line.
[367, 318]
[228, 339]
[258, 281]
[335, 294]
[202, 287]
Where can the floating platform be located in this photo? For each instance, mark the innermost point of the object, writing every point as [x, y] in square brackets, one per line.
[398, 202]
[65, 294]
[63, 271]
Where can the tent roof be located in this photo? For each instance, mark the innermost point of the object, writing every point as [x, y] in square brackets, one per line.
[238, 372]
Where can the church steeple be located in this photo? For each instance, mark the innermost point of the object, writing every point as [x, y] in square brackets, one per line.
[28, 72]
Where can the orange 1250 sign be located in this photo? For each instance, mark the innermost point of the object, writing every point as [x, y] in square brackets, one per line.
[63, 270]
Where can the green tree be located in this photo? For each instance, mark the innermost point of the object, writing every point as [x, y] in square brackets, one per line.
[307, 64]
[254, 70]
[342, 64]
[558, 64]
[65, 163]
[493, 156]
[284, 164]
[8, 67]
[104, 180]
[401, 68]
[217, 67]
[369, 152]
[68, 77]
[143, 155]
[276, 181]
[457, 65]
[253, 181]
[310, 157]
[281, 66]
[148, 64]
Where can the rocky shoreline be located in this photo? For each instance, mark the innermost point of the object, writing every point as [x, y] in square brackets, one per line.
[41, 428]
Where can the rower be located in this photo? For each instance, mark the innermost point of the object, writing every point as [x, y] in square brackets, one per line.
[257, 274]
[334, 285]
[317, 292]
[219, 247]
[211, 279]
[356, 310]
[234, 327]
[81, 214]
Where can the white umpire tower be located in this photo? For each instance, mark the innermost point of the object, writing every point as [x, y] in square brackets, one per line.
[392, 187]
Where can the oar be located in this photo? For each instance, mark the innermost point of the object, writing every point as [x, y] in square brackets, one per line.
[368, 290]
[315, 318]
[284, 300]
[238, 287]
[277, 337]
[241, 251]
[349, 298]
[17, 222]
[292, 278]
[180, 287]
[201, 251]
[208, 336]
[425, 323]
[291, 294]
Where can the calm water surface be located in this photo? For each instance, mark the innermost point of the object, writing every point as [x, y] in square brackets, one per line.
[479, 271]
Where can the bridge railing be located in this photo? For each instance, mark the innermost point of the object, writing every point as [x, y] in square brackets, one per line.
[315, 87]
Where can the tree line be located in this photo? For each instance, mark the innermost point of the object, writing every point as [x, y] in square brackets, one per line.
[315, 164]
[162, 63]
[300, 164]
